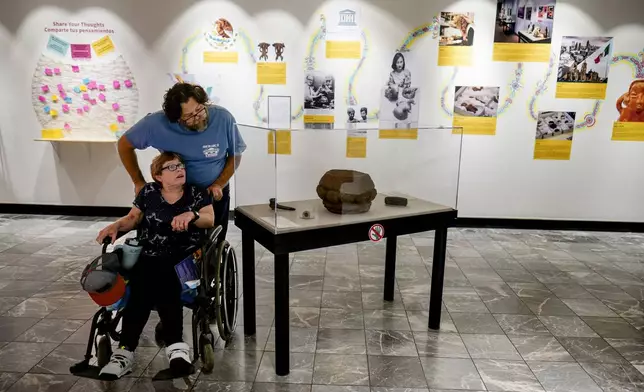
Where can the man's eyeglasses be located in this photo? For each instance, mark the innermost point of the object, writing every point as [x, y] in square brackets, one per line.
[195, 115]
[174, 167]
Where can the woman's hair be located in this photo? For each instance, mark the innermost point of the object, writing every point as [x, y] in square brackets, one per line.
[181, 93]
[395, 60]
[157, 163]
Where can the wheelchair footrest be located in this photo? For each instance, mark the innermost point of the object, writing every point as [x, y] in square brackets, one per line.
[87, 372]
[168, 374]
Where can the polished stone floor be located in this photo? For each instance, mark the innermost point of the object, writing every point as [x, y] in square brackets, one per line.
[523, 311]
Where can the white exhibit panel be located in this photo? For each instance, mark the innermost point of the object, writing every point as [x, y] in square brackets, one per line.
[547, 97]
[348, 175]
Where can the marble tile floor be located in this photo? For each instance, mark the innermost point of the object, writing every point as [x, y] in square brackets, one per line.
[523, 311]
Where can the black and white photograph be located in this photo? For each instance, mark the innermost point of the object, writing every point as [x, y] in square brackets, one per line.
[319, 91]
[476, 101]
[357, 114]
[584, 59]
[456, 29]
[400, 95]
[555, 125]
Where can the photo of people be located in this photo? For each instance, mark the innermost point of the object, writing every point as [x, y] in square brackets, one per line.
[476, 101]
[456, 29]
[555, 125]
[319, 98]
[584, 60]
[630, 105]
[517, 22]
[357, 114]
[400, 95]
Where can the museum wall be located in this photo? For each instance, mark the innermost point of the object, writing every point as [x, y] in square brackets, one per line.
[541, 131]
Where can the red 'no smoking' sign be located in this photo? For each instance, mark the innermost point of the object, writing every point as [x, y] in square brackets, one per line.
[376, 232]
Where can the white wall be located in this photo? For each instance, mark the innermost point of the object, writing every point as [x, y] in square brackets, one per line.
[498, 176]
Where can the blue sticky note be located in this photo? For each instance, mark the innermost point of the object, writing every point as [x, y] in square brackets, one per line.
[58, 45]
[46, 109]
[68, 99]
[86, 81]
[77, 90]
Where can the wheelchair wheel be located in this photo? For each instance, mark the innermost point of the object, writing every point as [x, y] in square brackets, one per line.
[103, 351]
[158, 335]
[226, 290]
[207, 354]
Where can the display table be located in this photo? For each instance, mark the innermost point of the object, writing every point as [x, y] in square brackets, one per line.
[528, 38]
[287, 233]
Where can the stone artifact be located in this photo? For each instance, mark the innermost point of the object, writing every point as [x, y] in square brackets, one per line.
[396, 201]
[346, 191]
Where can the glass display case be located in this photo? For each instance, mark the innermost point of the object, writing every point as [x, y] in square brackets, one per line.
[303, 179]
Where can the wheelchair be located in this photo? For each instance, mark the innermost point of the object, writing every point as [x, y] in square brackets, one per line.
[215, 301]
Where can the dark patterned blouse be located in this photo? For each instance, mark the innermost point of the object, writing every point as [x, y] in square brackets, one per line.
[155, 229]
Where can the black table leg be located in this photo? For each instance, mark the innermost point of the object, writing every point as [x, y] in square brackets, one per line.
[438, 274]
[248, 268]
[282, 343]
[390, 267]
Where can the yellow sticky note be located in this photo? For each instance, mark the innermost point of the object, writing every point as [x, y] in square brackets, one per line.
[581, 90]
[53, 113]
[474, 125]
[356, 147]
[279, 142]
[114, 127]
[549, 149]
[220, 57]
[628, 131]
[520, 52]
[405, 134]
[454, 56]
[83, 88]
[54, 98]
[53, 133]
[343, 50]
[271, 73]
[103, 46]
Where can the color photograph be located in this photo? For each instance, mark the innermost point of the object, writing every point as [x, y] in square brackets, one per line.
[456, 29]
[630, 105]
[584, 60]
[555, 125]
[400, 95]
[476, 101]
[518, 23]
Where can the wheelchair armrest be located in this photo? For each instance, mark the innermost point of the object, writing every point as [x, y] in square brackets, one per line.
[108, 240]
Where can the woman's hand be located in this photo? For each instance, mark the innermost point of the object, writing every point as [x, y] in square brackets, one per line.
[181, 222]
[109, 231]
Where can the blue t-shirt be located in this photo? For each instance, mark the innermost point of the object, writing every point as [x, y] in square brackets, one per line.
[204, 153]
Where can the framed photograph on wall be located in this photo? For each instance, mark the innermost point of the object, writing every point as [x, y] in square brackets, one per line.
[521, 12]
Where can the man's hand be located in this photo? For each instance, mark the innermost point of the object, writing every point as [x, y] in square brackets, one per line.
[217, 192]
[181, 222]
[137, 187]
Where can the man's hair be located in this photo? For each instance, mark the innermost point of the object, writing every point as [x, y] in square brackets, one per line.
[181, 93]
[156, 167]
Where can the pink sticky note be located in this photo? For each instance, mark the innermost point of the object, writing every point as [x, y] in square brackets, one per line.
[66, 108]
[86, 108]
[101, 96]
[60, 88]
[63, 95]
[45, 88]
[48, 72]
[57, 71]
[101, 87]
[67, 126]
[115, 106]
[116, 84]
[75, 68]
[92, 101]
[92, 85]
[128, 83]
[42, 99]
[79, 111]
[121, 119]
[86, 97]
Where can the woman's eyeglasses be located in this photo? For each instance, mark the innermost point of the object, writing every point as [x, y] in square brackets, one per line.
[174, 167]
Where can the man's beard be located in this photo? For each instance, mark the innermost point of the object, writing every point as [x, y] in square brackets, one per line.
[200, 127]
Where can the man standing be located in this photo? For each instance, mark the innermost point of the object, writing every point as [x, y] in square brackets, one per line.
[205, 136]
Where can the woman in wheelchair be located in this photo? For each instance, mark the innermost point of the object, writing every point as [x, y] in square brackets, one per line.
[171, 217]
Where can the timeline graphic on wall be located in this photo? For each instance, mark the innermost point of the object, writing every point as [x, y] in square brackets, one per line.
[523, 33]
[82, 88]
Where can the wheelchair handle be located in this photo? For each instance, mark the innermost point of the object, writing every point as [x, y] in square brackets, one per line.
[108, 240]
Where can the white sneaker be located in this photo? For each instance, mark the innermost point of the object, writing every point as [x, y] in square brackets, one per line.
[179, 357]
[120, 364]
